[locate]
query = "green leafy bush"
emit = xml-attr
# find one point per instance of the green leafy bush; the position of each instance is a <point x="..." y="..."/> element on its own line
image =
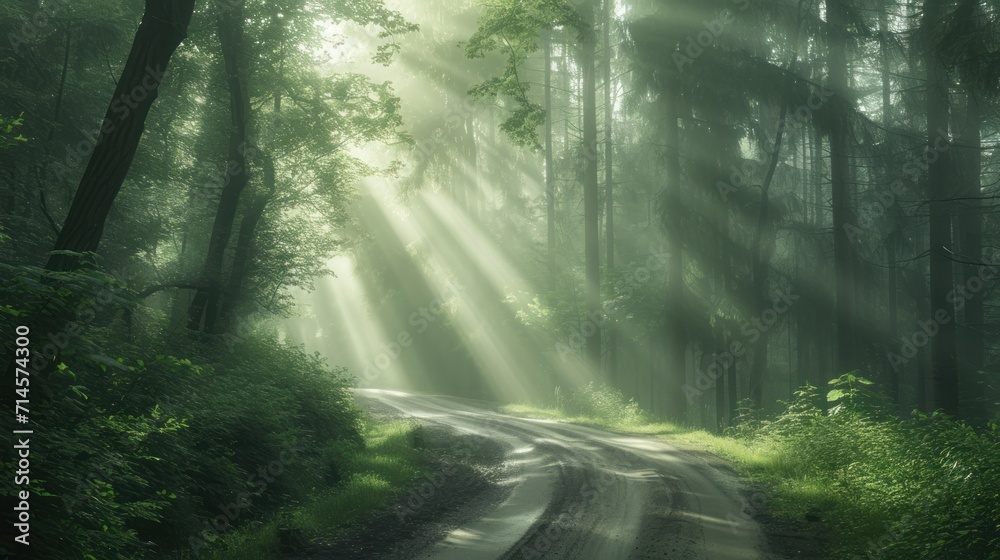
<point x="920" y="487"/>
<point x="605" y="403"/>
<point x="146" y="453"/>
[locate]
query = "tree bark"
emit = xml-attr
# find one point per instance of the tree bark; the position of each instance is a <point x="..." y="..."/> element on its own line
<point x="609" y="198"/>
<point x="970" y="216"/>
<point x="550" y="173"/>
<point x="970" y="213"/>
<point x="944" y="371"/>
<point x="246" y="243"/>
<point x="843" y="251"/>
<point x="591" y="208"/>
<point x="676" y="335"/>
<point x="162" y="29"/>
<point x="204" y="310"/>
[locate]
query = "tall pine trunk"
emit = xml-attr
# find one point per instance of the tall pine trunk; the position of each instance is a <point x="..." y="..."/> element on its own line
<point x="970" y="209"/>
<point x="676" y="334"/>
<point x="550" y="172"/>
<point x="609" y="195"/>
<point x="944" y="370"/>
<point x="892" y="383"/>
<point x="970" y="216"/>
<point x="591" y="207"/>
<point x="840" y="184"/>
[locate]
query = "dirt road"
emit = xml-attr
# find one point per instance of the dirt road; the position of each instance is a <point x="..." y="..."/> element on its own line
<point x="580" y="493"/>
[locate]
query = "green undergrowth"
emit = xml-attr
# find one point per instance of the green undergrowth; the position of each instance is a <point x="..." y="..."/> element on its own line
<point x="389" y="460"/>
<point x="925" y="486"/>
<point x="164" y="445"/>
<point x="598" y="407"/>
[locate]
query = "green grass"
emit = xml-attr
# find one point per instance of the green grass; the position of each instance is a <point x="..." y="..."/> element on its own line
<point x="758" y="458"/>
<point x="388" y="462"/>
<point x="629" y="425"/>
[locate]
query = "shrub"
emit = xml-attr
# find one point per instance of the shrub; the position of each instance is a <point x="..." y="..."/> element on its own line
<point x="920" y="487"/>
<point x="605" y="403"/>
<point x="143" y="450"/>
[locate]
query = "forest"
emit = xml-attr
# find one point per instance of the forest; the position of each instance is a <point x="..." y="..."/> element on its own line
<point x="592" y="279"/>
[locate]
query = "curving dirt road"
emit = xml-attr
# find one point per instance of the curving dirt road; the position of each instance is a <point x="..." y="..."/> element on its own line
<point x="580" y="493"/>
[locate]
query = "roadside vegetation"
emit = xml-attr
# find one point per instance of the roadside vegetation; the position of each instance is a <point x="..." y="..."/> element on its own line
<point x="375" y="472"/>
<point x="154" y="446"/>
<point x="922" y="487"/>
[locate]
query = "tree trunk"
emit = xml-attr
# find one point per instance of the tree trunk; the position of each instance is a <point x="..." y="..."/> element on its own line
<point x="164" y="25"/>
<point x="970" y="216"/>
<point x="843" y="252"/>
<point x="676" y="342"/>
<point x="591" y="208"/>
<point x="550" y="172"/>
<point x="892" y="382"/>
<point x="609" y="198"/>
<point x="204" y="310"/>
<point x="246" y="242"/>
<point x="944" y="371"/>
<point x="970" y="210"/>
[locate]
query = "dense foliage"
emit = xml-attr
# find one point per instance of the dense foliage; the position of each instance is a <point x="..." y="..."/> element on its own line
<point x="145" y="442"/>
<point x="925" y="486"/>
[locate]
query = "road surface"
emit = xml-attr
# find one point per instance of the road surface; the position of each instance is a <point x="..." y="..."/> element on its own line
<point x="581" y="493"/>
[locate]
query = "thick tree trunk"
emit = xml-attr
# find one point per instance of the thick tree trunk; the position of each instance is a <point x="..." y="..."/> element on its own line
<point x="204" y="310"/>
<point x="591" y="208"/>
<point x="944" y="370"/>
<point x="164" y="25"/>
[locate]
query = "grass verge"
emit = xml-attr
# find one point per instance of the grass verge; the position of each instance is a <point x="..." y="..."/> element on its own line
<point x="388" y="461"/>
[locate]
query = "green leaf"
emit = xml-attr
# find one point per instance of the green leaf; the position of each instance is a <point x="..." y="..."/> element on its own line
<point x="835" y="395"/>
